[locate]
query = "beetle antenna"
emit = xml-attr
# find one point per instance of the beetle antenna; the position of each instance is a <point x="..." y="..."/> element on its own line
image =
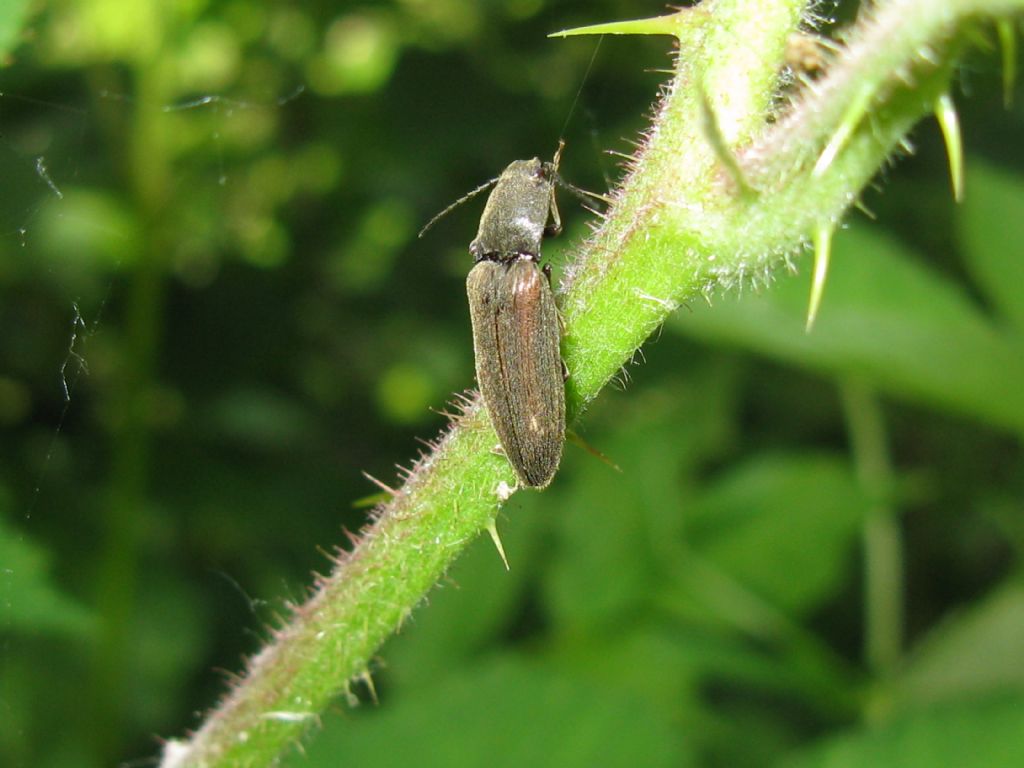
<point x="581" y="193"/>
<point x="464" y="199"/>
<point x="586" y="76"/>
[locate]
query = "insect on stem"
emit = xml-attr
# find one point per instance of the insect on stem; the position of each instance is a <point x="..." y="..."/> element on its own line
<point x="516" y="327"/>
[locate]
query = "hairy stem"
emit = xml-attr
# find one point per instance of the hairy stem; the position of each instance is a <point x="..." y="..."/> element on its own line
<point x="728" y="185"/>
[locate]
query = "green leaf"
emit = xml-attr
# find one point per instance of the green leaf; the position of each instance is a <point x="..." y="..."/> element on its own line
<point x="672" y="663"/>
<point x="12" y="16"/>
<point x="782" y="525"/>
<point x="979" y="651"/>
<point x="29" y="601"/>
<point x="505" y="712"/>
<point x="972" y="735"/>
<point x="991" y="231"/>
<point x="616" y="533"/>
<point x="887" y="319"/>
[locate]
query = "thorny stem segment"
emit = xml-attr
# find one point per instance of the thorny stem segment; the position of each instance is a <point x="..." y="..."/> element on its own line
<point x="680" y="227"/>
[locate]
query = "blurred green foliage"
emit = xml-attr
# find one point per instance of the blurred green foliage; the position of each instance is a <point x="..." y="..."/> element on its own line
<point x="207" y="241"/>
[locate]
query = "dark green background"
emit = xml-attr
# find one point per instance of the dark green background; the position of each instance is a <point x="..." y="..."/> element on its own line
<point x="260" y="325"/>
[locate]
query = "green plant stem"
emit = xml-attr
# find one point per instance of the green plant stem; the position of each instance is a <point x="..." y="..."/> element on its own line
<point x="125" y="510"/>
<point x="680" y="228"/>
<point x="883" y="542"/>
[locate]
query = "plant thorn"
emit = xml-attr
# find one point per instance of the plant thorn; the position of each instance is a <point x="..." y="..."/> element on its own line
<point x="716" y="139"/>
<point x="492" y="529"/>
<point x="945" y="113"/>
<point x="851" y="119"/>
<point x="670" y="24"/>
<point x="822" y="254"/>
